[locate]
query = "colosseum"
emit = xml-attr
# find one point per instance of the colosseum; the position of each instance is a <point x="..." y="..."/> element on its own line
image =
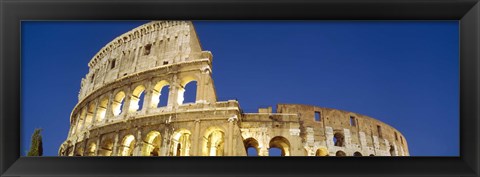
<point x="121" y="111"/>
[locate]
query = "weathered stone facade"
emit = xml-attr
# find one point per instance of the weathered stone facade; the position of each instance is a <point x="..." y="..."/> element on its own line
<point x="119" y="111"/>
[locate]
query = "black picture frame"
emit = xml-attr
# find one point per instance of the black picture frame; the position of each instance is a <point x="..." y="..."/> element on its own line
<point x="13" y="12"/>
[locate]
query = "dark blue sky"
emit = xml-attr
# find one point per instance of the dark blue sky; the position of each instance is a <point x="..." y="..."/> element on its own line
<point x="403" y="73"/>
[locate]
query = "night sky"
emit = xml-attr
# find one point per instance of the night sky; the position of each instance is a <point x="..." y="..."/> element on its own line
<point x="404" y="73"/>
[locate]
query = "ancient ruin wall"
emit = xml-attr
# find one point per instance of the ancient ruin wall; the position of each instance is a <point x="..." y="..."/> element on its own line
<point x="119" y="112"/>
<point x="111" y="118"/>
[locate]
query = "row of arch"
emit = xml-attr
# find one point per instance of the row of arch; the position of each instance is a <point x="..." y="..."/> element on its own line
<point x="179" y="144"/>
<point x="114" y="106"/>
<point x="280" y="146"/>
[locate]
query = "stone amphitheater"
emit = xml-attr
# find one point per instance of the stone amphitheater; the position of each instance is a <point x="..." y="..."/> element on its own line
<point x="121" y="111"/>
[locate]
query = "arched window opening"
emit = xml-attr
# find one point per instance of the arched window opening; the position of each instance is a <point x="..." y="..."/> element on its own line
<point x="371" y="155"/>
<point x="251" y="146"/>
<point x="89" y="116"/>
<point x="106" y="148"/>
<point x="340" y="153"/>
<point x="216" y="141"/>
<point x="73" y="126"/>
<point x="152" y="144"/>
<point x="392" y="150"/>
<point x="127" y="146"/>
<point x="321" y="152"/>
<point x="117" y="103"/>
<point x="280" y="143"/>
<point x="79" y="152"/>
<point x="102" y="109"/>
<point x="91" y="149"/>
<point x="180" y="144"/>
<point x="339" y="139"/>
<point x="274" y="151"/>
<point x="190" y="92"/>
<point x="136" y="100"/>
<point x="160" y="94"/>
<point x="251" y="151"/>
<point x="188" y="84"/>
<point x="213" y="142"/>
<point x="81" y="120"/>
<point x="357" y="154"/>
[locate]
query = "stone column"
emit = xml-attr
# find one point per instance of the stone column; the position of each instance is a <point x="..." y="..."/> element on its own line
<point x="126" y="103"/>
<point x="115" y="146"/>
<point x="186" y="144"/>
<point x="196" y="137"/>
<point x="201" y="87"/>
<point x="94" y="113"/>
<point x="98" y="146"/>
<point x="109" y="111"/>
<point x="138" y="144"/>
<point x="82" y="118"/>
<point x="147" y="97"/>
<point x="85" y="146"/>
<point x="173" y="94"/>
<point x="165" y="143"/>
<point x="231" y="121"/>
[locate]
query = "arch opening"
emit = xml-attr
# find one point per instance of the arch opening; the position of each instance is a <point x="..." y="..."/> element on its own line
<point x="136" y="100"/>
<point x="339" y="139"/>
<point x="79" y="152"/>
<point x="321" y="152"/>
<point x="214" y="142"/>
<point x="101" y="110"/>
<point x="251" y="146"/>
<point x="281" y="143"/>
<point x="188" y="84"/>
<point x="180" y="143"/>
<point x="152" y="144"/>
<point x="160" y="94"/>
<point x="81" y="119"/>
<point x="89" y="114"/>
<point x="91" y="149"/>
<point x="357" y="154"/>
<point x="106" y="148"/>
<point x="340" y="153"/>
<point x="117" y="103"/>
<point x="127" y="146"/>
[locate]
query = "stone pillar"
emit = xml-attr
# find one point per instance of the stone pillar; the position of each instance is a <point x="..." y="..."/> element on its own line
<point x="196" y="137"/>
<point x="147" y="97"/>
<point x="85" y="146"/>
<point x="109" y="110"/>
<point x="173" y="94"/>
<point x="263" y="151"/>
<point x="165" y="143"/>
<point x="94" y="113"/>
<point x="348" y="138"/>
<point x="126" y="103"/>
<point x="201" y="87"/>
<point x="98" y="146"/>
<point x="115" y="146"/>
<point x="137" y="150"/>
<point x="231" y="121"/>
<point x="186" y="144"/>
<point x="82" y="118"/>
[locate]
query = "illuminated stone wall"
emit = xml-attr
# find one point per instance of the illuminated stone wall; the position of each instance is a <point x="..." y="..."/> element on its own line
<point x="121" y="111"/>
